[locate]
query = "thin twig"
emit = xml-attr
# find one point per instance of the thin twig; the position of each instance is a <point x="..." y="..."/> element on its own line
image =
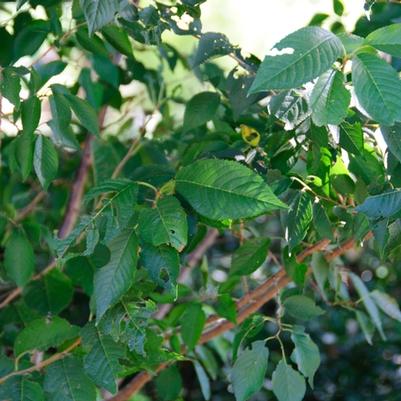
<point x="43" y="364"/>
<point x="30" y="207"/>
<point x="247" y="305"/>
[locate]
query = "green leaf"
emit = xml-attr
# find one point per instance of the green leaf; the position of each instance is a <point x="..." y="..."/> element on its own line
<point x="169" y="384"/>
<point x="118" y="38"/>
<point x="249" y="370"/>
<point x="305" y="54"/>
<point x="42" y="334"/>
<point x="367" y="327"/>
<point x="329" y="99"/>
<point x="387" y="304"/>
<point x="101" y="362"/>
<point x="192" y="322"/>
<point x="227" y="307"/>
<point x="288" y="384"/>
<point x="200" y="109"/>
<point x="66" y="380"/>
<point x="162" y="265"/>
<point x="306" y="355"/>
<point x="338" y="7"/>
<point x="21" y="389"/>
<point x="45" y="160"/>
<point x="299" y="218"/>
<point x="166" y="223"/>
<point x="302" y="307"/>
<point x="368" y="302"/>
<point x="392" y="136"/>
<point x="351" y="137"/>
<point x="320" y="270"/>
<point x="30" y="114"/>
<point x="249" y="256"/>
<point x="377" y="87"/>
<point x="221" y="189"/>
<point x="321" y="221"/>
<point x="53" y="293"/>
<point x="85" y="113"/>
<point x="382" y="205"/>
<point x="99" y="13"/>
<point x="112" y="281"/>
<point x="19" y="259"/>
<point x="203" y="380"/>
<point x="211" y="44"/>
<point x="10" y="86"/>
<point x="290" y="107"/>
<point x="24" y="153"/>
<point x="386" y="39"/>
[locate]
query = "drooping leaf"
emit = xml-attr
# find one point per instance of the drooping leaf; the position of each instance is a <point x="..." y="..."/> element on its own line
<point x="387" y="39"/>
<point x="200" y="109"/>
<point x="249" y="256"/>
<point x="166" y="223"/>
<point x="19" y="259"/>
<point x="321" y="221"/>
<point x="99" y="13"/>
<point x="221" y="189"/>
<point x="227" y="307"/>
<point x="113" y="280"/>
<point x="288" y="384"/>
<point x="299" y="218"/>
<point x="368" y="302"/>
<point x="387" y="304"/>
<point x="101" y="362"/>
<point x="302" y="56"/>
<point x="306" y="355"/>
<point x="320" y="270"/>
<point x="192" y="322"/>
<point x="382" y="205"/>
<point x="44" y="333"/>
<point x="66" y="380"/>
<point x="24" y="153"/>
<point x="45" y="160"/>
<point x="302" y="307"/>
<point x="30" y="114"/>
<point x="85" y="113"/>
<point x="351" y="137"/>
<point x="203" y="380"/>
<point x="329" y="99"/>
<point x="377" y="87"/>
<point x="366" y="325"/>
<point x="248" y="372"/>
<point x="169" y="384"/>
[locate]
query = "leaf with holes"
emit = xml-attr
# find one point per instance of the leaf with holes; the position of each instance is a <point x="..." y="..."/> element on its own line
<point x="166" y="223"/>
<point x="302" y="56"/>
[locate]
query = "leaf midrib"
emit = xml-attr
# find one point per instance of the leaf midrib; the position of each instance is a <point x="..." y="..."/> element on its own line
<point x="287" y="67"/>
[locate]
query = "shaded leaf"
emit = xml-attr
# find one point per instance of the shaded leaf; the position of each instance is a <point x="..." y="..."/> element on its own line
<point x="302" y="307"/>
<point x="200" y="109"/>
<point x="288" y="384"/>
<point x="249" y="371"/>
<point x="45" y="160"/>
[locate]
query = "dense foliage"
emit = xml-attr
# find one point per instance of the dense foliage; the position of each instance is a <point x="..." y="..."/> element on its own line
<point x="153" y="202"/>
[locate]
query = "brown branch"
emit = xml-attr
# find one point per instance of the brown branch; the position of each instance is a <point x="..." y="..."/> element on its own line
<point x="73" y="207"/>
<point x="43" y="364"/>
<point x="247" y="305"/>
<point x="30" y="207"/>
